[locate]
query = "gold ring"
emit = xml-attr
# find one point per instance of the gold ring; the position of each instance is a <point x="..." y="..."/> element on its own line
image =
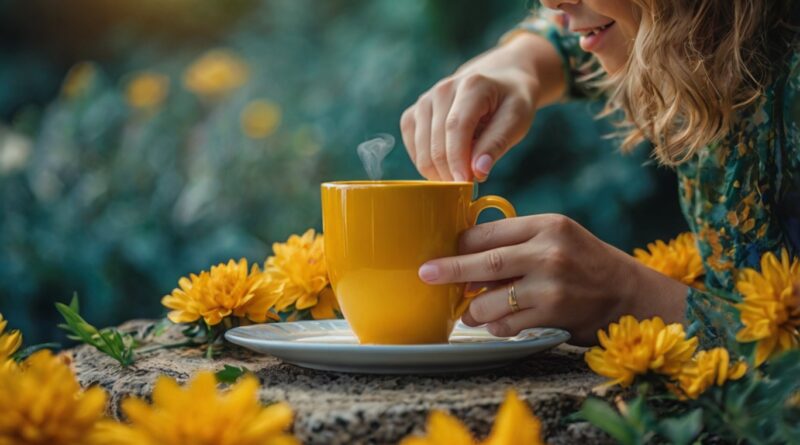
<point x="512" y="298"/>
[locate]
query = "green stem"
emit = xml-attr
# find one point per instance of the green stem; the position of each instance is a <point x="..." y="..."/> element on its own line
<point x="210" y="351"/>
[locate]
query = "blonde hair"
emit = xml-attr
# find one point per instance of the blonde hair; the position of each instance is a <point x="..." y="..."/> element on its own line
<point x="693" y="65"/>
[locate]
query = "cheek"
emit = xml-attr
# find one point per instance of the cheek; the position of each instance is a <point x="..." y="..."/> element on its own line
<point x="616" y="54"/>
<point x="624" y="12"/>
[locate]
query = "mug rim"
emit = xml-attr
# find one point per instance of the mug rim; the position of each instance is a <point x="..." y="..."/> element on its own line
<point x="402" y="183"/>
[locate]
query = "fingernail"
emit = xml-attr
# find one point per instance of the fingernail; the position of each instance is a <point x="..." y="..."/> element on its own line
<point x="458" y="177"/>
<point x="428" y="272"/>
<point x="483" y="164"/>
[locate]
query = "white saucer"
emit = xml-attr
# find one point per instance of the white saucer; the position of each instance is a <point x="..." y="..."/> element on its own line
<point x="330" y="345"/>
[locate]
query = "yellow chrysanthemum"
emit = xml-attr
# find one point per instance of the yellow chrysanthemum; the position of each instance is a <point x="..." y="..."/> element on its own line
<point x="215" y="73"/>
<point x="770" y="311"/>
<point x="515" y="425"/>
<point x="9" y="342"/>
<point x="632" y="348"/>
<point x="326" y="306"/>
<point x="260" y="118"/>
<point x="197" y="414"/>
<point x="679" y="259"/>
<point x="78" y="80"/>
<point x="299" y="265"/>
<point x="706" y="369"/>
<point x="442" y="429"/>
<point x="42" y="404"/>
<point x="228" y="289"/>
<point x="147" y="90"/>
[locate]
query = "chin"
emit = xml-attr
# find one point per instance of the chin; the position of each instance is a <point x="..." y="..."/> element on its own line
<point x="611" y="65"/>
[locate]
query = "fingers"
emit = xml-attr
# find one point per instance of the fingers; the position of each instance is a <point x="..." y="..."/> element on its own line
<point x="493" y="304"/>
<point x="510" y="231"/>
<point x="440" y="130"/>
<point x="469" y="106"/>
<point x="504" y="232"/>
<point x="443" y="100"/>
<point x="408" y="129"/>
<point x="511" y="325"/>
<point x="423" y="112"/>
<point x="507" y="127"/>
<point x="493" y="309"/>
<point x="492" y="265"/>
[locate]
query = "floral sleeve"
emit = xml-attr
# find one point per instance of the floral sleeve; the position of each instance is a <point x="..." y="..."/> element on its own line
<point x="552" y="26"/>
<point x="791" y="118"/>
<point x="789" y="172"/>
<point x="711" y="317"/>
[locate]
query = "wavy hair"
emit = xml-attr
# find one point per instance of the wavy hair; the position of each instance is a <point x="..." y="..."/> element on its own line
<point x="693" y="65"/>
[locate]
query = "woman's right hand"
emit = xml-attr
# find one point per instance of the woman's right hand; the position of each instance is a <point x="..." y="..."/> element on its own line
<point x="458" y="129"/>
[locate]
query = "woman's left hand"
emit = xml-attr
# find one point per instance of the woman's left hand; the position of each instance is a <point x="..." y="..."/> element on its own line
<point x="563" y="276"/>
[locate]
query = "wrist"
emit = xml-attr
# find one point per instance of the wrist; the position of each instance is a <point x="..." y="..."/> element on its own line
<point x="651" y="294"/>
<point x="543" y="64"/>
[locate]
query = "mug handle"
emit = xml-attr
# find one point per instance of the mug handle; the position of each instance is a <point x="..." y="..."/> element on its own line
<point x="474" y="211"/>
<point x="490" y="202"/>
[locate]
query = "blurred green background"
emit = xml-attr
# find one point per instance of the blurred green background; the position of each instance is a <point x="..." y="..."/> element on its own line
<point x="130" y="155"/>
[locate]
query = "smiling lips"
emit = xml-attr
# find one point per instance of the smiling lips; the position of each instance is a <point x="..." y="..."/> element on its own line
<point x="592" y="38"/>
<point x="590" y="31"/>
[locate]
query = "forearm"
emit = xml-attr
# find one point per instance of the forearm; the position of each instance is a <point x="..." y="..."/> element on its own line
<point x="655" y="294"/>
<point x="710" y="316"/>
<point x="534" y="57"/>
<point x="538" y="57"/>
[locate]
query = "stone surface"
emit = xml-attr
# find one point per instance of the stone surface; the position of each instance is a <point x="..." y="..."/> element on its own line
<point x="335" y="408"/>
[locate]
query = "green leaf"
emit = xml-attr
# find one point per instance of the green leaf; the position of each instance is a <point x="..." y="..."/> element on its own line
<point x="109" y="341"/>
<point x="603" y="416"/>
<point x="75" y="304"/>
<point x="230" y="374"/>
<point x="682" y="430"/>
<point x="785" y="366"/>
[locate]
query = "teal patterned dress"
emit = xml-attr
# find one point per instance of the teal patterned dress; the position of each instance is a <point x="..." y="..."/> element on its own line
<point x="740" y="195"/>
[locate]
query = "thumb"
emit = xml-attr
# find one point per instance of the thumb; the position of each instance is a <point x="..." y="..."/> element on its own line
<point x="508" y="126"/>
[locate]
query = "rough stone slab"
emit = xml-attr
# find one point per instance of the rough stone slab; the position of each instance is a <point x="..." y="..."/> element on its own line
<point x="336" y="408"/>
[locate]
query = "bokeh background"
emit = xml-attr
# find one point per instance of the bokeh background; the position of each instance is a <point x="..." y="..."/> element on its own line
<point x="141" y="140"/>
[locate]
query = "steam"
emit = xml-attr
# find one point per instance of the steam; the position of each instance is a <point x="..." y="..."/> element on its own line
<point x="373" y="152"/>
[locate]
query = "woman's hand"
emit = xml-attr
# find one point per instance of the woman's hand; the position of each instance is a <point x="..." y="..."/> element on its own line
<point x="458" y="129"/>
<point x="563" y="276"/>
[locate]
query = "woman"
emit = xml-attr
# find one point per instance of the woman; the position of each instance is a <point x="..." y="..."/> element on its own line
<point x="713" y="85"/>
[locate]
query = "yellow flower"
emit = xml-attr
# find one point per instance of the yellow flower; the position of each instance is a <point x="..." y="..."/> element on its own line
<point x="9" y="342"/>
<point x="326" y="306"/>
<point x="632" y="348"/>
<point x="679" y="259"/>
<point x="443" y="429"/>
<point x="299" y="265"/>
<point x="706" y="369"/>
<point x="78" y="80"/>
<point x="228" y="289"/>
<point x="147" y="90"/>
<point x="770" y="311"/>
<point x="515" y="425"/>
<point x="198" y="415"/>
<point x="260" y="118"/>
<point x="42" y="404"/>
<point x="216" y="72"/>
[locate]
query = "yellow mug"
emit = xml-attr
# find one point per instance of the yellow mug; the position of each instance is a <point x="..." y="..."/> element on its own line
<point x="378" y="234"/>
